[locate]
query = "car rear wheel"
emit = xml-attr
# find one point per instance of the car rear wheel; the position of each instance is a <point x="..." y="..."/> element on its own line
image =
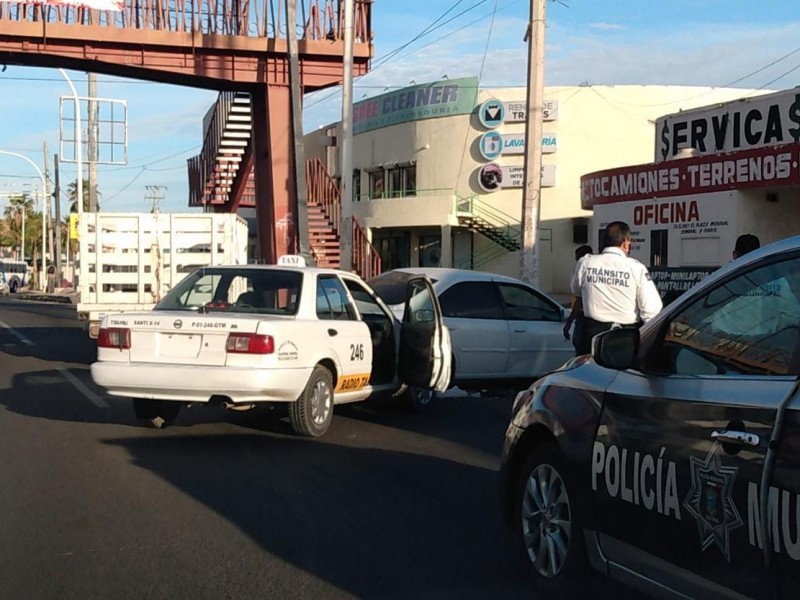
<point x="160" y="413"/>
<point x="312" y="412"/>
<point x="548" y="525"/>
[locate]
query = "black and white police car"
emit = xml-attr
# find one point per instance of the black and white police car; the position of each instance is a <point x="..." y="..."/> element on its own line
<point x="669" y="460"/>
<point x="240" y="335"/>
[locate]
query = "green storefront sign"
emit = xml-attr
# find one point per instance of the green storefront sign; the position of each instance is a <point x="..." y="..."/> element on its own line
<point x="427" y="101"/>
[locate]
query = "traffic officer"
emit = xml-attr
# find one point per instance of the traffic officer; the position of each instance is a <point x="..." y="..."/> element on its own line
<point x="615" y="289"/>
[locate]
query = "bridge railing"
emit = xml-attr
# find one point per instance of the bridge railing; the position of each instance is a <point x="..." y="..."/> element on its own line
<point x="316" y="19"/>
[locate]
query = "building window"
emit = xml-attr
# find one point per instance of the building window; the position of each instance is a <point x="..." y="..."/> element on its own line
<point x="377" y="184"/>
<point x="356" y="184"/>
<point x="658" y="248"/>
<point x="395" y="178"/>
<point x="410" y="180"/>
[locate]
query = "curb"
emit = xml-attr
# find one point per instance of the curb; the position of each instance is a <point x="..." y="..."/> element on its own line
<point x="52" y="298"/>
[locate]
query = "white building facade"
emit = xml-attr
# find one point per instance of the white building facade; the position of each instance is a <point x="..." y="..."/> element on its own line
<point x="438" y="168"/>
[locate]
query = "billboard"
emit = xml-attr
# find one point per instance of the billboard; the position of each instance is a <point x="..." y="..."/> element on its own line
<point x="743" y="124"/>
<point x="427" y="101"/>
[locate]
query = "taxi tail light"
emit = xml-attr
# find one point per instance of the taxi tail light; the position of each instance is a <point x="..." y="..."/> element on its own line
<point x="250" y="343"/>
<point x="114" y="337"/>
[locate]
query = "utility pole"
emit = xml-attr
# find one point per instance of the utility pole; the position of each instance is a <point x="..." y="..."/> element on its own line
<point x="57" y="202"/>
<point x="154" y="196"/>
<point x="346" y="146"/>
<point x="531" y="192"/>
<point x="47" y="206"/>
<point x="93" y="131"/>
<point x="300" y="203"/>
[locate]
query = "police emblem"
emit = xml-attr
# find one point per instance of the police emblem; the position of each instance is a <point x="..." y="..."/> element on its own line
<point x="710" y="503"/>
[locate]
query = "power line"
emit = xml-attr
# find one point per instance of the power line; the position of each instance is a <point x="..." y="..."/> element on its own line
<point x="386" y="58"/>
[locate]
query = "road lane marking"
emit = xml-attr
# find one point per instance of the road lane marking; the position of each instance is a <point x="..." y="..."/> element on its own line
<point x="16" y="333"/>
<point x="81" y="387"/>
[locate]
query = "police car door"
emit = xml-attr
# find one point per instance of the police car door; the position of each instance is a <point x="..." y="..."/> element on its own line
<point x="682" y="444"/>
<point x="425" y="352"/>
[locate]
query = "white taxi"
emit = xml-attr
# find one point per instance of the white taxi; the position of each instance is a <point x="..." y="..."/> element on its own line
<point x="240" y="335"/>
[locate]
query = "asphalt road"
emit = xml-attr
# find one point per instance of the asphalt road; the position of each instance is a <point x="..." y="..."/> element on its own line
<point x="233" y="505"/>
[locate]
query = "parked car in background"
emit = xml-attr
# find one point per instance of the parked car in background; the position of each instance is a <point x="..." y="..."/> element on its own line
<point x="504" y="332"/>
<point x="670" y="458"/>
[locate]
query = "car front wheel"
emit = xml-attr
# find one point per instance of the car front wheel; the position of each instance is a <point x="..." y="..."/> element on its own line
<point x="548" y="526"/>
<point x="312" y="412"/>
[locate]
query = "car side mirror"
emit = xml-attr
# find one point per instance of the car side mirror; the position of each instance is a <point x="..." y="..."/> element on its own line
<point x="617" y="348"/>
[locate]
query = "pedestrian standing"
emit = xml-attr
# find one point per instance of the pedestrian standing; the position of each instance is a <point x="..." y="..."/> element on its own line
<point x="615" y="290"/>
<point x="576" y="308"/>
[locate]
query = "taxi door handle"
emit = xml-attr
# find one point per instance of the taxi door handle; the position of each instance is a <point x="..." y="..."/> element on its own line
<point x="332" y="332"/>
<point x="740" y="438"/>
<point x="520" y="330"/>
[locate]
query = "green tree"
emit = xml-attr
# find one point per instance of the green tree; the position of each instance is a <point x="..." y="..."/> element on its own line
<point x="72" y="194"/>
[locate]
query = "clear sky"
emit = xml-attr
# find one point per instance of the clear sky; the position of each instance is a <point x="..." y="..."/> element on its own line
<point x="702" y="42"/>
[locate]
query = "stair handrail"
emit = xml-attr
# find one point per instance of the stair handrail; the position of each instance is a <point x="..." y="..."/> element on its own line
<point x="322" y="189"/>
<point x="366" y="260"/>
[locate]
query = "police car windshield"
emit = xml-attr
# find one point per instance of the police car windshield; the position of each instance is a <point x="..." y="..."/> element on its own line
<point x="391" y="286"/>
<point x="245" y="290"/>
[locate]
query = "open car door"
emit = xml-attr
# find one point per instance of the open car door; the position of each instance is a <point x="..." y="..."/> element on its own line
<point x="426" y="355"/>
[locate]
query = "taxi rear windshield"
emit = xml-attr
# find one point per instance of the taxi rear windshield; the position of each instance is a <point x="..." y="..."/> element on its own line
<point x="259" y="291"/>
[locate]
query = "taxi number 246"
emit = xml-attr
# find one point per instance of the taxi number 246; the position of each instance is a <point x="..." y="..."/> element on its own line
<point x="356" y="351"/>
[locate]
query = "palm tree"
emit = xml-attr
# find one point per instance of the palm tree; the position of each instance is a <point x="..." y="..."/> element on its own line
<point x="72" y="194"/>
<point x="19" y="206"/>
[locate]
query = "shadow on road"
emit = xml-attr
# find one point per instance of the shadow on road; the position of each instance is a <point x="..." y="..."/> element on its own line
<point x="372" y="522"/>
<point x="55" y="344"/>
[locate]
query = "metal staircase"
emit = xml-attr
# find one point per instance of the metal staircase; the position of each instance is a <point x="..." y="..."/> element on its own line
<point x="221" y="177"/>
<point x="224" y="157"/>
<point x="490" y="222"/>
<point x="324" y="216"/>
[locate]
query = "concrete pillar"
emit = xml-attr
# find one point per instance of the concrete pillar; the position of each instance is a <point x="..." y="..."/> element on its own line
<point x="447" y="246"/>
<point x="273" y="171"/>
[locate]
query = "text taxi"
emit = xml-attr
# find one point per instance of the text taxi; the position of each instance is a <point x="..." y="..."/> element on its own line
<point x="239" y="335"/>
<point x="670" y="459"/>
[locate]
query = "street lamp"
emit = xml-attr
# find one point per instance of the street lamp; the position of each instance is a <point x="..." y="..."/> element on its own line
<point x="44" y="210"/>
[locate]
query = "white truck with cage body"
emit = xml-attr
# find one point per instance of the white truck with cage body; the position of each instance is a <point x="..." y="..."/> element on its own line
<point x="128" y="261"/>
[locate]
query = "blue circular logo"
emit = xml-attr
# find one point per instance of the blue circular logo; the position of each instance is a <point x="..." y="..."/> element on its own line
<point x="492" y="113"/>
<point x="491" y="145"/>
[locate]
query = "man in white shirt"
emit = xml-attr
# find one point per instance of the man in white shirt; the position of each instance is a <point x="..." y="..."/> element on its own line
<point x="615" y="289"/>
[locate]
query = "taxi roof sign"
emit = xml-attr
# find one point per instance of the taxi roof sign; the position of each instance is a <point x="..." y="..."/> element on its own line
<point x="292" y="260"/>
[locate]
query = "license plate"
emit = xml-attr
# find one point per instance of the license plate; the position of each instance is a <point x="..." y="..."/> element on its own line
<point x="179" y="345"/>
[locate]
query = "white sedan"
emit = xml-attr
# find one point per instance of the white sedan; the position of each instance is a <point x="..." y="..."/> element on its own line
<point x="503" y="330"/>
<point x="239" y="335"/>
